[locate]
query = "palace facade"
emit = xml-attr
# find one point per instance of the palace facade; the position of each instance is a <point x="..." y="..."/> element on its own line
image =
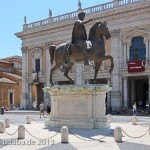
<point x="10" y="81"/>
<point x="129" y="24"/>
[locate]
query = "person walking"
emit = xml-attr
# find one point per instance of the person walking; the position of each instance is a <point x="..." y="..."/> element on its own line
<point x="42" y="109"/>
<point x="48" y="109"/>
<point x="134" y="108"/>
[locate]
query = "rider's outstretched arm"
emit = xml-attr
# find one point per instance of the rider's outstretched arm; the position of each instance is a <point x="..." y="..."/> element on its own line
<point x="87" y="21"/>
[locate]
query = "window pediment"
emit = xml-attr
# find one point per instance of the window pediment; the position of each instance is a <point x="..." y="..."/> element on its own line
<point x="37" y="52"/>
<point x="136" y="32"/>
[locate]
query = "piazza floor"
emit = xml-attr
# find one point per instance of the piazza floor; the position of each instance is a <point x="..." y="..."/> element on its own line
<point x="38" y="137"/>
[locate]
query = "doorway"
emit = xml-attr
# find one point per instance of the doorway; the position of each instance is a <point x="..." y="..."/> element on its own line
<point x="40" y="93"/>
<point x="138" y="91"/>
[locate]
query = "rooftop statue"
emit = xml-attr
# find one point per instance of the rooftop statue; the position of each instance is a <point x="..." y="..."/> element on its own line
<point x="76" y="50"/>
<point x="50" y="13"/>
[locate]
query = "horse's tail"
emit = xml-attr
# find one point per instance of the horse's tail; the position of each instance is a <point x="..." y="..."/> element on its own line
<point x="51" y="52"/>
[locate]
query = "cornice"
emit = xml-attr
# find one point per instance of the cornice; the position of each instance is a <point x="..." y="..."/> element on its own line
<point x="108" y="15"/>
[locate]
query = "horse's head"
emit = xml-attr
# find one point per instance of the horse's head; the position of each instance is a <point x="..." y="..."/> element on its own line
<point x="102" y="29"/>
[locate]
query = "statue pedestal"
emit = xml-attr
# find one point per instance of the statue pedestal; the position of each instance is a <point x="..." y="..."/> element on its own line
<point x="78" y="106"/>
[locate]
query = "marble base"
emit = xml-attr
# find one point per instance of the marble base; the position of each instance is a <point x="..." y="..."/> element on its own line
<point x="78" y="106"/>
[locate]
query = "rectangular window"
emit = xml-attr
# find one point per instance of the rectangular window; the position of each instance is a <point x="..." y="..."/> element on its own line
<point x="37" y="65"/>
<point x="11" y="98"/>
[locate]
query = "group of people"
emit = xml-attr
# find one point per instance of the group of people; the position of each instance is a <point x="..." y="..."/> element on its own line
<point x="135" y="106"/>
<point x="41" y="107"/>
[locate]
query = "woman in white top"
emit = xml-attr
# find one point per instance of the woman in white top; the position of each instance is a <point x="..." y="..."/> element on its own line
<point x="42" y="109"/>
<point x="134" y="108"/>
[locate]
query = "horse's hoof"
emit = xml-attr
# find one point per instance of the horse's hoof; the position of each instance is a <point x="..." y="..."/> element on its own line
<point x="72" y="82"/>
<point x="52" y="83"/>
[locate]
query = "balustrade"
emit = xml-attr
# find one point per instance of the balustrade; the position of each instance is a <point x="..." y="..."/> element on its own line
<point x="74" y="14"/>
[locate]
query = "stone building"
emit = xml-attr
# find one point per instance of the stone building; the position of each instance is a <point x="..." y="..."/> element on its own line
<point x="10" y="81"/>
<point x="129" y="24"/>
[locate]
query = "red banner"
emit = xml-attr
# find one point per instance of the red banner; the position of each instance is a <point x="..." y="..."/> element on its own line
<point x="136" y="66"/>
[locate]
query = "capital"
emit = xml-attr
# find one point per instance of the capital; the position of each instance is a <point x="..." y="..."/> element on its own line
<point x="48" y="44"/>
<point x="146" y="39"/>
<point x="124" y="41"/>
<point x="115" y="32"/>
<point x="24" y="49"/>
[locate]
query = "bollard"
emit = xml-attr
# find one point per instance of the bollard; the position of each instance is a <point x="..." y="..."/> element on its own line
<point x="7" y="122"/>
<point x="21" y="132"/>
<point x="134" y="120"/>
<point x="118" y="134"/>
<point x="64" y="134"/>
<point x="28" y="119"/>
<point x="2" y="126"/>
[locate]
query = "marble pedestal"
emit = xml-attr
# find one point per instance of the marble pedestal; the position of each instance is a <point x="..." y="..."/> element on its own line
<point x="78" y="106"/>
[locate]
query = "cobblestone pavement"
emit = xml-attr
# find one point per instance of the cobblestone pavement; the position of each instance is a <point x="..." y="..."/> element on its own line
<point x="38" y="137"/>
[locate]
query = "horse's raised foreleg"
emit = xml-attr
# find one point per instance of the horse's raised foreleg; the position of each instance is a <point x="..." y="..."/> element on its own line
<point x="52" y="71"/>
<point x="97" y="66"/>
<point x="112" y="62"/>
<point x="68" y="68"/>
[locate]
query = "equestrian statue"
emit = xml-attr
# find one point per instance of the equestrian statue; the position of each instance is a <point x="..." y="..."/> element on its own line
<point x="81" y="48"/>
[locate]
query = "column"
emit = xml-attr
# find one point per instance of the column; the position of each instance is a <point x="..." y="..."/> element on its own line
<point x="24" y="96"/>
<point x="115" y="76"/>
<point x="132" y="90"/>
<point x="79" y="73"/>
<point x="147" y="51"/>
<point x="30" y="95"/>
<point x="124" y="53"/>
<point x="125" y="92"/>
<point x="128" y="49"/>
<point x="48" y="63"/>
<point x="36" y="95"/>
<point x="48" y="67"/>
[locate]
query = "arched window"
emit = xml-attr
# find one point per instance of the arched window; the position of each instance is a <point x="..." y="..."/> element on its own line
<point x="137" y="49"/>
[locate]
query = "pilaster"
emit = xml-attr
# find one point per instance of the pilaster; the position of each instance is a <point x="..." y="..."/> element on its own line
<point x="146" y="42"/>
<point x="128" y="49"/>
<point x="124" y="53"/>
<point x="48" y="62"/>
<point x="115" y="82"/>
<point x="125" y="92"/>
<point x="24" y="97"/>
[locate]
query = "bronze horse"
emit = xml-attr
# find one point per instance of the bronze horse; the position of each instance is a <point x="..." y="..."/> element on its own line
<point x="96" y="52"/>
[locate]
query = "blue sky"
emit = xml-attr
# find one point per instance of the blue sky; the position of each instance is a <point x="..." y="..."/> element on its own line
<point x="12" y="14"/>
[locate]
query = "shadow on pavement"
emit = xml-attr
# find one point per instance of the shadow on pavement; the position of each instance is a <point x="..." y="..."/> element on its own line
<point x="59" y="146"/>
<point x="132" y="146"/>
<point x="88" y="134"/>
<point x="5" y="142"/>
